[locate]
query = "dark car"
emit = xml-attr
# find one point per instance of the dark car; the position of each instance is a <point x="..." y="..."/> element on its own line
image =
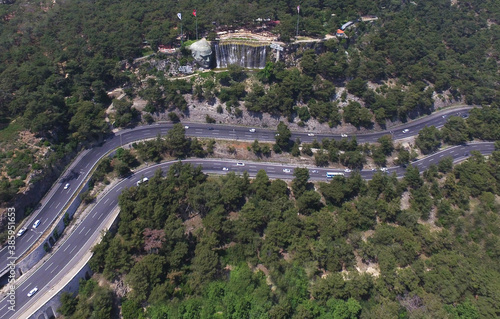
<point x="210" y="128"/>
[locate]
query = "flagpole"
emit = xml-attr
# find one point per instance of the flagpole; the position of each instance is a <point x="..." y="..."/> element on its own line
<point x="179" y="15"/>
<point x="298" y="15"/>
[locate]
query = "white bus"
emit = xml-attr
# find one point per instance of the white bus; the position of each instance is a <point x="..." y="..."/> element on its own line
<point x="332" y="174"/>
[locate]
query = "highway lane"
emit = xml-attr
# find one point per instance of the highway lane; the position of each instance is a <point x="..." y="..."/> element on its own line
<point x="59" y="197"/>
<point x="78" y="242"/>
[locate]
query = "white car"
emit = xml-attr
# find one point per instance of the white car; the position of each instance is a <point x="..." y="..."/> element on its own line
<point x="286" y="170"/>
<point x="21" y="231"/>
<point x="186" y="127"/>
<point x="343" y="135"/>
<point x="36" y="224"/>
<point x="144" y="180"/>
<point x="314" y="171"/>
<point x="252" y="130"/>
<point x="240" y="164"/>
<point x="383" y="169"/>
<point x="406" y="130"/>
<point x="66" y="186"/>
<point x="277" y="134"/>
<point x="225" y="169"/>
<point x="347" y="170"/>
<point x="32" y="291"/>
<point x="310" y="134"/>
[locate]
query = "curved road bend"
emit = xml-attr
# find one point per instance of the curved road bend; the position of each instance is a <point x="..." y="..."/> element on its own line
<point x="79" y="241"/>
<point x="60" y="197"/>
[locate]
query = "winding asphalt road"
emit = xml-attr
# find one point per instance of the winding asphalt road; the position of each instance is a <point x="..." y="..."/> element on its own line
<point x="58" y="198"/>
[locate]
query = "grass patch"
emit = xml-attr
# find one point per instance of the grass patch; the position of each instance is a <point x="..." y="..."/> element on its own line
<point x="188" y="42"/>
<point x="10" y="132"/>
<point x="147" y="51"/>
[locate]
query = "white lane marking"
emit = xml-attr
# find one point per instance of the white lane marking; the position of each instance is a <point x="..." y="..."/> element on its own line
<point x="49" y="265"/>
<point x="72" y="249"/>
<point x="87" y="165"/>
<point x="30" y="237"/>
<point x="2" y="308"/>
<point x="94" y="214"/>
<point x="214" y="133"/>
<point x="441" y="155"/>
<point x="99" y="216"/>
<point x="67" y="246"/>
<point x="26" y="287"/>
<point x="81" y="230"/>
<point x="58" y="205"/>
<point x="51" y="205"/>
<point x="106" y="200"/>
<point x="87" y="232"/>
<point x="54" y="268"/>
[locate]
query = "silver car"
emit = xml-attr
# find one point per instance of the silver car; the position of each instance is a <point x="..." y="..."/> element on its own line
<point x="32" y="291"/>
<point x="21" y="231"/>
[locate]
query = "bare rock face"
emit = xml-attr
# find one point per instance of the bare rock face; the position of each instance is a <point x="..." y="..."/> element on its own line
<point x="202" y="53"/>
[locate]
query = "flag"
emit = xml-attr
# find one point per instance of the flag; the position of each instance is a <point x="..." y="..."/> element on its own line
<point x="179" y="16"/>
<point x="194" y="12"/>
<point x="298" y="9"/>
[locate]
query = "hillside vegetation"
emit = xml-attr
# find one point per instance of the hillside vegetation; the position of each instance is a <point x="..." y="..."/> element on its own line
<point x="192" y="246"/>
<point x="60" y="58"/>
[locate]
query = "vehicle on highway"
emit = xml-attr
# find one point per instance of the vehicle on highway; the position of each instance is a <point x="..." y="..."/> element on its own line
<point x="21" y="231"/>
<point x="277" y="134"/>
<point x="406" y="130"/>
<point x="32" y="291"/>
<point x="144" y="180"/>
<point x="343" y="135"/>
<point x="383" y="169"/>
<point x="314" y="171"/>
<point x="210" y="128"/>
<point x="66" y="186"/>
<point x="36" y="224"/>
<point x="333" y="174"/>
<point x="252" y="130"/>
<point x="310" y="134"/>
<point x="240" y="164"/>
<point x="347" y="170"/>
<point x="286" y="170"/>
<point x="225" y="169"/>
<point x="186" y="127"/>
<point x="465" y="116"/>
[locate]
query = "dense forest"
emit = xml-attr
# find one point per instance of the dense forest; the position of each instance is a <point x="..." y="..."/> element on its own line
<point x="59" y="60"/>
<point x="192" y="246"/>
